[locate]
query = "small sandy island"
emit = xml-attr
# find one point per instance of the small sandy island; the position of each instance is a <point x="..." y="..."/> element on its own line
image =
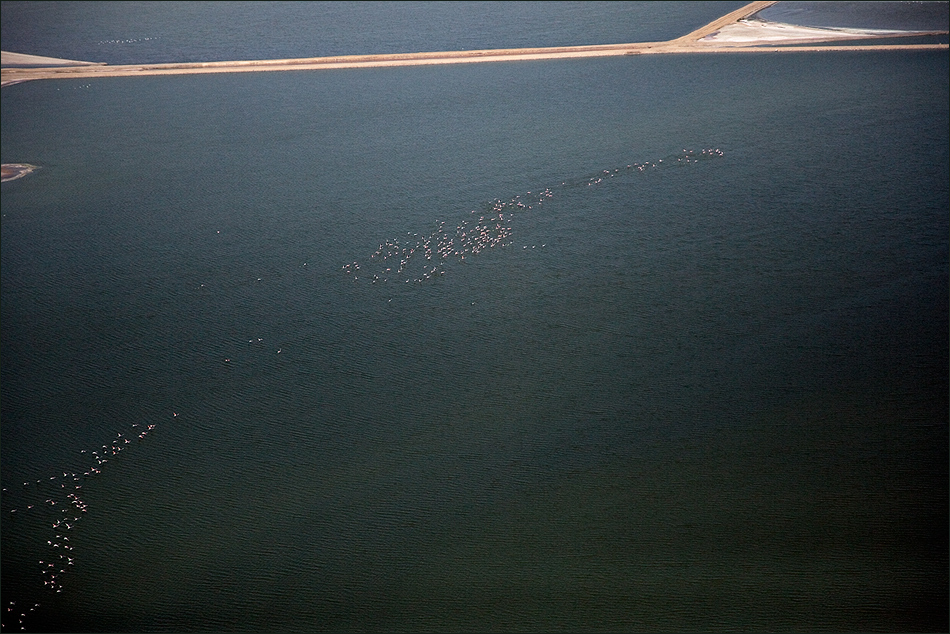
<point x="13" y="171"/>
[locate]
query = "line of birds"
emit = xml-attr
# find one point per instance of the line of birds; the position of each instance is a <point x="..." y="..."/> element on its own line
<point x="418" y="258"/>
<point x="128" y="41"/>
<point x="64" y="508"/>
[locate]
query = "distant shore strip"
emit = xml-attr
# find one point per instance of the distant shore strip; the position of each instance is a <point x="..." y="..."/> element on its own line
<point x="702" y="40"/>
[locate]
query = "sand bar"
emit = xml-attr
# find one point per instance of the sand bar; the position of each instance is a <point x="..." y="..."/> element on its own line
<point x="755" y="32"/>
<point x="715" y="37"/>
<point x="22" y="59"/>
<point x="13" y="171"/>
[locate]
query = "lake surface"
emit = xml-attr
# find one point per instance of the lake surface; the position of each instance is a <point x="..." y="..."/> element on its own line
<point x="639" y="343"/>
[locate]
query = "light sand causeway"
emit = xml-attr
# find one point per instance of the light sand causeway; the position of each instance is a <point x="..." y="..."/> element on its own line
<point x="732" y="33"/>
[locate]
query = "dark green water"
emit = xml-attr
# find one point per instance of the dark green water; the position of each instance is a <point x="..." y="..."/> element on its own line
<point x="705" y="395"/>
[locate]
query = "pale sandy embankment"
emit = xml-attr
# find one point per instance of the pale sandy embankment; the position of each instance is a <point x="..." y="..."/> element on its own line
<point x="731" y="33"/>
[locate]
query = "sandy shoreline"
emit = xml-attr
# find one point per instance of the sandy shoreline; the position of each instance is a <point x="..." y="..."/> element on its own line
<point x="13" y="171"/>
<point x="732" y="33"/>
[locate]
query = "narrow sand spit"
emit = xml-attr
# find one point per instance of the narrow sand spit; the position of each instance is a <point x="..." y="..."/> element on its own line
<point x="13" y="171"/>
<point x="732" y="33"/>
<point x="22" y="59"/>
<point x="754" y="31"/>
